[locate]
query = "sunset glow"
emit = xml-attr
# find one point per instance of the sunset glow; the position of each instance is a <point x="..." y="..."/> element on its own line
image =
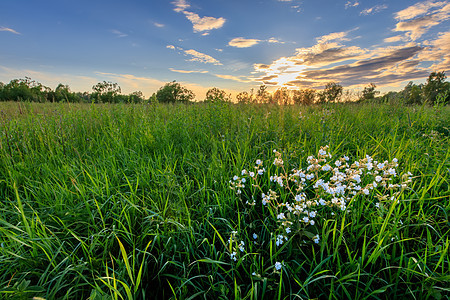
<point x="232" y="45"/>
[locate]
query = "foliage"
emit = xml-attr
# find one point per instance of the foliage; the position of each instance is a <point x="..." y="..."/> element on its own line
<point x="304" y="96"/>
<point x="331" y="93"/>
<point x="217" y="95"/>
<point x="173" y="92"/>
<point x="434" y="86"/>
<point x="114" y="201"/>
<point x="369" y="92"/>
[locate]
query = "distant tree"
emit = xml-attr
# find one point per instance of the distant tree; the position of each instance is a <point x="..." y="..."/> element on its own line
<point x="106" y="91"/>
<point x="434" y="86"/>
<point x="262" y="95"/>
<point x="332" y="92"/>
<point x="281" y="96"/>
<point x="25" y="89"/>
<point x="173" y="92"/>
<point x="217" y="95"/>
<point x="369" y="92"/>
<point x="412" y="93"/>
<point x="244" y="97"/>
<point x="136" y="97"/>
<point x="304" y="96"/>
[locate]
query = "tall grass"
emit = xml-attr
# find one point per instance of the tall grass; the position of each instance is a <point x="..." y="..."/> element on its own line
<point x="134" y="202"/>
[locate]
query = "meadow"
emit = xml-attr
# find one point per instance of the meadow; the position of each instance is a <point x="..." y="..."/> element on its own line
<point x="224" y="201"/>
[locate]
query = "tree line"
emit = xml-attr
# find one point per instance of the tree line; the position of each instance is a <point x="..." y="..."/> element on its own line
<point x="434" y="90"/>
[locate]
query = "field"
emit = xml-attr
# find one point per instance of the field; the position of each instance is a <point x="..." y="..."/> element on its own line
<point x="339" y="201"/>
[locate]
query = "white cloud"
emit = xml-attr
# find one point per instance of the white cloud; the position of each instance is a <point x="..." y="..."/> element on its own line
<point x="393" y="39"/>
<point x="187" y="71"/>
<point x="416" y="20"/>
<point x="273" y="40"/>
<point x="203" y="23"/>
<point x="350" y="4"/>
<point x="201" y="57"/>
<point x="241" y="42"/>
<point x="234" y="78"/>
<point x="8" y="30"/>
<point x="118" y="33"/>
<point x="170" y="47"/>
<point x="200" y="24"/>
<point x="339" y="36"/>
<point x="417" y="9"/>
<point x="180" y="5"/>
<point x="159" y="25"/>
<point x="373" y="10"/>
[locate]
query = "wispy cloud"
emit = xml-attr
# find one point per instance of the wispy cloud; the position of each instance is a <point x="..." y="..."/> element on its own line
<point x="330" y="60"/>
<point x="159" y="25"/>
<point x="187" y="71"/>
<point x="234" y="78"/>
<point x="418" y="9"/>
<point x="118" y="33"/>
<point x="334" y="36"/>
<point x="170" y="47"/>
<point x="206" y="24"/>
<point x="199" y="24"/>
<point x="373" y="10"/>
<point x="8" y="30"/>
<point x="417" y="19"/>
<point x="201" y="57"/>
<point x="241" y="42"/>
<point x="180" y="5"/>
<point x="351" y="4"/>
<point x="393" y="39"/>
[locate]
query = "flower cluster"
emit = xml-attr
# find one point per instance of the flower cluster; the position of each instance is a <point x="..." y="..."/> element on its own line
<point x="297" y="198"/>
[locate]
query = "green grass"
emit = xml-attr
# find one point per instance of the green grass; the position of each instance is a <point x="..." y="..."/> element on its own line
<point x="134" y="202"/>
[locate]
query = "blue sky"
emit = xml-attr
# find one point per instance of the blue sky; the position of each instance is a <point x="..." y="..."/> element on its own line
<point x="234" y="45"/>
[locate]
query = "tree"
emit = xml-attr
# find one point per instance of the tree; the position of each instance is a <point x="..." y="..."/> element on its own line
<point x="412" y="93"/>
<point x="332" y="92"/>
<point x="281" y="96"/>
<point x="434" y="86"/>
<point x="262" y="95"/>
<point x="369" y="92"/>
<point x="244" y="97"/>
<point x="217" y="95"/>
<point x="304" y="96"/>
<point x="106" y="91"/>
<point x="136" y="97"/>
<point x="173" y="92"/>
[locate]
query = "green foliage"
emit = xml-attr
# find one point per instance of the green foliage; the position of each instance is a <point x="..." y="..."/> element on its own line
<point x="369" y="92"/>
<point x="217" y="95"/>
<point x="304" y="96"/>
<point x="117" y="201"/>
<point x="434" y="86"/>
<point x="173" y="92"/>
<point x="331" y="93"/>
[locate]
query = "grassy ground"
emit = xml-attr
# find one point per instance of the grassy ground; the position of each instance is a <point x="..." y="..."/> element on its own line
<point x="134" y="201"/>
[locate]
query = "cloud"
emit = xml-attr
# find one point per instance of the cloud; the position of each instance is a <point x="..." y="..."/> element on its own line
<point x="340" y="36"/>
<point x="350" y="4"/>
<point x="170" y="47"/>
<point x="438" y="51"/>
<point x="394" y="39"/>
<point x="8" y="30"/>
<point x="201" y="57"/>
<point x="186" y="71"/>
<point x="204" y="24"/>
<point x="200" y="24"/>
<point x="118" y="33"/>
<point x="373" y="10"/>
<point x="241" y="42"/>
<point x="159" y="25"/>
<point x="235" y="78"/>
<point x="417" y="9"/>
<point x="416" y="20"/>
<point x="180" y="5"/>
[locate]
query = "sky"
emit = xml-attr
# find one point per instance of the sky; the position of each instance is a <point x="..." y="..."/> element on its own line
<point x="235" y="45"/>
